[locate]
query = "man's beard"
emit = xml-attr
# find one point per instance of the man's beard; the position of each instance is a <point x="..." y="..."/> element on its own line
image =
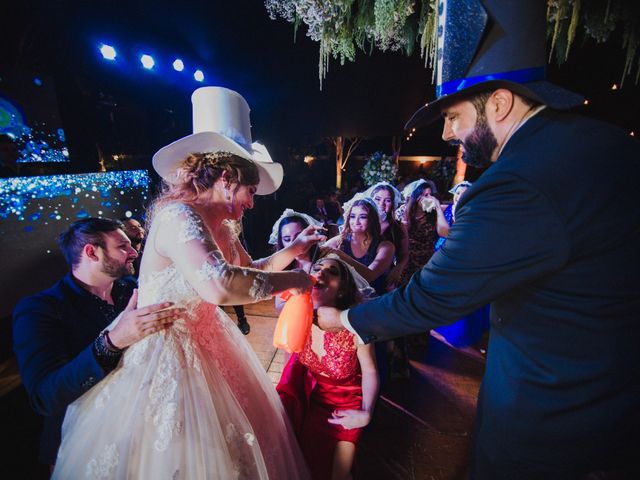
<point x="479" y="145"/>
<point x="111" y="267"/>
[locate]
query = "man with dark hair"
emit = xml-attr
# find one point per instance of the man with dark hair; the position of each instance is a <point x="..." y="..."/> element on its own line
<point x="135" y="231"/>
<point x="547" y="236"/>
<point x="60" y="335"/>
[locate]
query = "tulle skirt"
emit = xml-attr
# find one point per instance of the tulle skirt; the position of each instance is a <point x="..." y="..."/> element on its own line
<point x="191" y="402"/>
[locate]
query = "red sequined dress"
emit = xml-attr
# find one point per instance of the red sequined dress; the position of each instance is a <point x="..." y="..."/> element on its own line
<point x="313" y="386"/>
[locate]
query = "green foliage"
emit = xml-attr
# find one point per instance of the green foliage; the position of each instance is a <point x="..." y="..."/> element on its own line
<point x="342" y="26"/>
<point x="379" y="167"/>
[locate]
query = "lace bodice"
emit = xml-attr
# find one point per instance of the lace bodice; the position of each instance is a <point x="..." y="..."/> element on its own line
<point x="197" y="267"/>
<point x="339" y="360"/>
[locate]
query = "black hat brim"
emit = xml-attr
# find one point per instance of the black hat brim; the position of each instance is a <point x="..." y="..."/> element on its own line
<point x="541" y="91"/>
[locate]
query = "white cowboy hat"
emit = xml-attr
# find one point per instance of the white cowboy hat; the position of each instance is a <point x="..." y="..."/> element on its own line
<point x="220" y="124"/>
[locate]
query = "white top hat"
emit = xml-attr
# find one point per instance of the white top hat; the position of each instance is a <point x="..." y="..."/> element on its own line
<point x="220" y="124"/>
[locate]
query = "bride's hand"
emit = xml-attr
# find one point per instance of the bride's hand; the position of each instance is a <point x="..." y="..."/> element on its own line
<point x="302" y="282"/>
<point x="307" y="238"/>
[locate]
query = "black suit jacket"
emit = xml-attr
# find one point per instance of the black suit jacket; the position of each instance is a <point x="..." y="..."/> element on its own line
<point x="53" y="334"/>
<point x="550" y="234"/>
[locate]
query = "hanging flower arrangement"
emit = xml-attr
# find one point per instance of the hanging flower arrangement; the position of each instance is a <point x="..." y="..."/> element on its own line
<point x="379" y="168"/>
<point x="342" y="26"/>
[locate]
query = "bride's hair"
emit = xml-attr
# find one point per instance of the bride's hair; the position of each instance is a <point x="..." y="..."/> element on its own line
<point x="199" y="172"/>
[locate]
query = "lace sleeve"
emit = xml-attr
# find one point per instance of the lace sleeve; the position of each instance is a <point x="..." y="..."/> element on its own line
<point x="183" y="237"/>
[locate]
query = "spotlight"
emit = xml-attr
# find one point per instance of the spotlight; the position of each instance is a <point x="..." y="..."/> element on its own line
<point x="178" y="65"/>
<point x="108" y="52"/>
<point x="198" y="75"/>
<point x="147" y="61"/>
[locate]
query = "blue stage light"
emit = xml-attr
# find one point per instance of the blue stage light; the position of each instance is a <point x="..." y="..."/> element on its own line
<point x="108" y="52"/>
<point x="178" y="65"/>
<point x="198" y="75"/>
<point x="147" y="61"/>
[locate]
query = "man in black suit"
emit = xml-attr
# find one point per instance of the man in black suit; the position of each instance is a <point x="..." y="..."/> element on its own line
<point x="59" y="335"/>
<point x="549" y="236"/>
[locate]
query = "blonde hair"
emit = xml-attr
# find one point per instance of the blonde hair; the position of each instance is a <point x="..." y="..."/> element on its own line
<point x="197" y="173"/>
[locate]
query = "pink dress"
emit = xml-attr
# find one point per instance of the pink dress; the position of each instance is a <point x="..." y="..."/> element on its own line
<point x="313" y="387"/>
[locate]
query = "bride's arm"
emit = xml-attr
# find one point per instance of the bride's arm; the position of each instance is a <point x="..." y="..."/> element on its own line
<point x="282" y="258"/>
<point x="182" y="237"/>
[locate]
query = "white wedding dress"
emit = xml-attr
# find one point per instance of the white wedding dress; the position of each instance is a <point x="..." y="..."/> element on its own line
<point x="192" y="401"/>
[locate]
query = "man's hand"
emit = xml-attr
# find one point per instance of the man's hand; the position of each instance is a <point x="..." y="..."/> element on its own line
<point x="329" y="319"/>
<point x="136" y="324"/>
<point x="350" y="418"/>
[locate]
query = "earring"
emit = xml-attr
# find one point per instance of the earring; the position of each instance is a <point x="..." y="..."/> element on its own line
<point x="229" y="200"/>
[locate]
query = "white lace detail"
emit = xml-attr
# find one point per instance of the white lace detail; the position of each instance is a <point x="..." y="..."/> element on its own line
<point x="162" y="407"/>
<point x="105" y="465"/>
<point x="261" y="289"/>
<point x="213" y="267"/>
<point x="190" y="228"/>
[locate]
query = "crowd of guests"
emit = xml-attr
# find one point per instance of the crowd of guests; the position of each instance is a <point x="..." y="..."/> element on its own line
<point x="90" y="345"/>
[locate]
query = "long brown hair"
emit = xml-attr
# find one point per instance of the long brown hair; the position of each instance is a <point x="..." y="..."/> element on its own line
<point x="413" y="203"/>
<point x="349" y="295"/>
<point x="373" y="222"/>
<point x="199" y="172"/>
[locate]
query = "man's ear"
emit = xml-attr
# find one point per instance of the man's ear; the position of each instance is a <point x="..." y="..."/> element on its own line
<point x="501" y="103"/>
<point x="91" y="252"/>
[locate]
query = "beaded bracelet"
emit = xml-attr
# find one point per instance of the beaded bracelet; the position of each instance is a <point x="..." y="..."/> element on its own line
<point x="102" y="350"/>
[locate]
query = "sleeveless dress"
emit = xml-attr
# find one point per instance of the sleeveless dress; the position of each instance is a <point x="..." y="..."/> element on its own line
<point x="312" y="387"/>
<point x="367" y="259"/>
<point x="422" y="240"/>
<point x="191" y="401"/>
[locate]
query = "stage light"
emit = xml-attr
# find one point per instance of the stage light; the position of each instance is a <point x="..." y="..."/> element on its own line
<point x="147" y="61"/>
<point x="198" y="75"/>
<point x="37" y="81"/>
<point x="108" y="52"/>
<point x="178" y="65"/>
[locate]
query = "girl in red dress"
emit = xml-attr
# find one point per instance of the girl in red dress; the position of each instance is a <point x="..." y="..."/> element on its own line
<point x="329" y="389"/>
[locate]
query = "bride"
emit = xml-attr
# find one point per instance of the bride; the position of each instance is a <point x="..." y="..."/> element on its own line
<point x="192" y="401"/>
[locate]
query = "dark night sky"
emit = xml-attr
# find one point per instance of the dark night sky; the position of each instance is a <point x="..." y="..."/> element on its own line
<point x="239" y="47"/>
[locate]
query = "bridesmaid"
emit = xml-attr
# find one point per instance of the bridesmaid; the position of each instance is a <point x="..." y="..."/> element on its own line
<point x="330" y="388"/>
<point x="360" y="243"/>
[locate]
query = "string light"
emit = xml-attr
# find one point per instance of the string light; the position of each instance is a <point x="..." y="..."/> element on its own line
<point x="586" y="102"/>
<point x="632" y="134"/>
<point x="614" y="86"/>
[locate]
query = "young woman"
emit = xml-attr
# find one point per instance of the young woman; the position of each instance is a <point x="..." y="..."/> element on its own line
<point x="387" y="198"/>
<point x="330" y="388"/>
<point x="423" y="218"/>
<point x="193" y="400"/>
<point x="285" y="232"/>
<point x="360" y="244"/>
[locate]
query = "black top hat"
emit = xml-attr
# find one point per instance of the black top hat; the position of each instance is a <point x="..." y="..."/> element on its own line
<point x="489" y="44"/>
